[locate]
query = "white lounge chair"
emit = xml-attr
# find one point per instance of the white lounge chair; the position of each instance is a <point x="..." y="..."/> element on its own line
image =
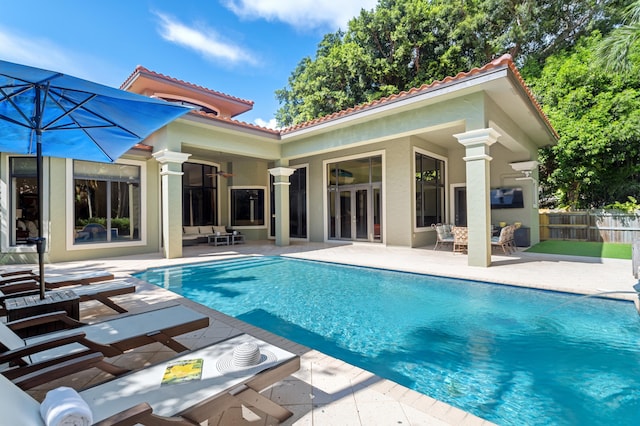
<point x="101" y="292"/>
<point x="110" y="338"/>
<point x="141" y="397"/>
<point x="56" y="281"/>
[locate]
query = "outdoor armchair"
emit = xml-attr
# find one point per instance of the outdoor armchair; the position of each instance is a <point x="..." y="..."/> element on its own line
<point x="460" y="239"/>
<point x="505" y="240"/>
<point x="444" y="234"/>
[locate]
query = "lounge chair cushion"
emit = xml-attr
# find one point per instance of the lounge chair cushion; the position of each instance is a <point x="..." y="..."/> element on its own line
<point x="20" y="407"/>
<point x="146" y="385"/>
<point x="195" y="398"/>
<point x="118" y="329"/>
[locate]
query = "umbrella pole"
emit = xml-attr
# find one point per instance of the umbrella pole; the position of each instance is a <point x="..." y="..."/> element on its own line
<point x="40" y="242"/>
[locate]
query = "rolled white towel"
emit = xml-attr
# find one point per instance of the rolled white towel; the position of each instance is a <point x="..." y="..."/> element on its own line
<point x="63" y="406"/>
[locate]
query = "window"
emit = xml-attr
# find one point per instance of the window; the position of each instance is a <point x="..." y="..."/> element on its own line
<point x="430" y="202"/>
<point x="24" y="199"/>
<point x="247" y="207"/>
<point x="199" y="194"/>
<point x="107" y="202"/>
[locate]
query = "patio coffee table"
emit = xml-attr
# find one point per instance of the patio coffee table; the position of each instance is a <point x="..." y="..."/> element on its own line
<point x="218" y="239"/>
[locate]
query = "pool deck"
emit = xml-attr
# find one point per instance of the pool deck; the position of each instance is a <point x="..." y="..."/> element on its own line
<point x="327" y="391"/>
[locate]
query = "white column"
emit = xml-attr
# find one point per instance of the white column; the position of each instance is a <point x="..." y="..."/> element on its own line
<point x="281" y="188"/>
<point x="477" y="158"/>
<point x="171" y="192"/>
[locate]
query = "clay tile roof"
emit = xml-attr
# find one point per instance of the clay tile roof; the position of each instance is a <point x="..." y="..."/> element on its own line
<point x="504" y="60"/>
<point x="142" y="70"/>
<point x="234" y="122"/>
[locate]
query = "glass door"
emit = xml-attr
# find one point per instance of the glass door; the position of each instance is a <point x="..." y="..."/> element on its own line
<point x="356" y="214"/>
<point x="346" y="198"/>
<point x="361" y="216"/>
<point x="355" y="199"/>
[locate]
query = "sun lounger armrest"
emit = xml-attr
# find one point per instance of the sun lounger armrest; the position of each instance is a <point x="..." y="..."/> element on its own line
<point x="16" y="354"/>
<point x="8" y="285"/>
<point x="44" y="319"/>
<point x="142" y="413"/>
<point x="56" y="371"/>
<point x="19" y="291"/>
<point x="18" y="272"/>
<point x="33" y="279"/>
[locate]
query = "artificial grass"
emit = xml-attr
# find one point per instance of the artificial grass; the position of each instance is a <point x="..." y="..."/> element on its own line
<point x="583" y="248"/>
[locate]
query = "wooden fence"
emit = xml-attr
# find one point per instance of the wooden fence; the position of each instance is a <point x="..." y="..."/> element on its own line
<point x="590" y="225"/>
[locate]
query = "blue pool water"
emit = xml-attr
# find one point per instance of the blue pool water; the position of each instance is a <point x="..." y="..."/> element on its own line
<point x="509" y="355"/>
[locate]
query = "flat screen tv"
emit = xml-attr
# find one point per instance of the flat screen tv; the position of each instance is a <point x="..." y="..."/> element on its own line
<point x="507" y="198"/>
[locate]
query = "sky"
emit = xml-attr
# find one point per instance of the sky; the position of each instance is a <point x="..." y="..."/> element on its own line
<point x="243" y="48"/>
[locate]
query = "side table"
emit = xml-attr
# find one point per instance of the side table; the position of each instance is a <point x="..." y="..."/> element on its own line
<point x="28" y="306"/>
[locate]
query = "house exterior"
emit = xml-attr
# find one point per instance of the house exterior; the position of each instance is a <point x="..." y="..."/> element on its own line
<point x="381" y="173"/>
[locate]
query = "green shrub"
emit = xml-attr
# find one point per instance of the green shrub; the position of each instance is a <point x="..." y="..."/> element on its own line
<point x="629" y="206"/>
<point x="122" y="223"/>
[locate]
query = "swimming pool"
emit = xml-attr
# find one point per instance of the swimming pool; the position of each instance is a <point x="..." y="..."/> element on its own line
<point x="509" y="355"/>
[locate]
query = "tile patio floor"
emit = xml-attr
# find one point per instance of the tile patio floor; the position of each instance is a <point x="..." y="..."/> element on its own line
<point x="327" y="391"/>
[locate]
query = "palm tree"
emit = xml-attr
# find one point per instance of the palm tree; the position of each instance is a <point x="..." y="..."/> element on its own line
<point x="615" y="50"/>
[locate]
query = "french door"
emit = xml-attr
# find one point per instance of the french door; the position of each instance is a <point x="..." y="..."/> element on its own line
<point x="355" y="213"/>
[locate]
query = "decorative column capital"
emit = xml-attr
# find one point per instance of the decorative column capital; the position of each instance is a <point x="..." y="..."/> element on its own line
<point x="170" y="158"/>
<point x="166" y="156"/>
<point x="478" y="137"/>
<point x="477" y="143"/>
<point x="281" y="171"/>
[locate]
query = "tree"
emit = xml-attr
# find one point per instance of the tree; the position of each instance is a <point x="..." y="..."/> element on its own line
<point x="597" y="114"/>
<point x="406" y="43"/>
<point x="616" y="50"/>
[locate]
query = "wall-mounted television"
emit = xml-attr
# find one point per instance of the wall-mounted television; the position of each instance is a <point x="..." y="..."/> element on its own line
<point x="507" y="198"/>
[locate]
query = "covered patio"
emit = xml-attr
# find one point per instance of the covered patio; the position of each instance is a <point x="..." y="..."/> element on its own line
<point x="481" y="129"/>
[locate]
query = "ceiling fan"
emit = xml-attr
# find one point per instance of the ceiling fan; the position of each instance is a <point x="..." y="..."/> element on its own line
<point x="220" y="173"/>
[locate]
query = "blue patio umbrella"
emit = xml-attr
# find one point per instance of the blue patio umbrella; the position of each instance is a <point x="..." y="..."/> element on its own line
<point x="47" y="113"/>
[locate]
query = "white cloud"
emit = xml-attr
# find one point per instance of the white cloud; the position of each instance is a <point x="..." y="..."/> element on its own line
<point x="271" y="124"/>
<point x="302" y="14"/>
<point x="40" y="52"/>
<point x="204" y="41"/>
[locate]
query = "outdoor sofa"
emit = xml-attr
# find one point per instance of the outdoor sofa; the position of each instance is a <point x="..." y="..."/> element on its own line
<point x="199" y="234"/>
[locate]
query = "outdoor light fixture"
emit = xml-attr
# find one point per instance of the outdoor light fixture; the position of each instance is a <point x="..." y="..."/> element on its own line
<point x="527" y="168"/>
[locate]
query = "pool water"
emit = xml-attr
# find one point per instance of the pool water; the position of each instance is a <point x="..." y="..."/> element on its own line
<point x="509" y="355"/>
